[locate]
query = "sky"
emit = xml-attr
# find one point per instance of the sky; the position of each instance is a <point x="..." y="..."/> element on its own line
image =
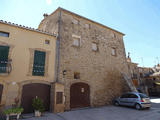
<point x="139" y="20"/>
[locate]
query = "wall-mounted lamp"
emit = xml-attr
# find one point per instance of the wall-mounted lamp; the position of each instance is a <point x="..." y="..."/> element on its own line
<point x="64" y="72"/>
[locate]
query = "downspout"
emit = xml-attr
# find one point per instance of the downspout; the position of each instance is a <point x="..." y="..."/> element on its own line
<point x="58" y="47"/>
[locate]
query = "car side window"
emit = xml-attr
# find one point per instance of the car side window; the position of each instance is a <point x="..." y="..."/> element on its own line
<point x="133" y="96"/>
<point x="124" y="96"/>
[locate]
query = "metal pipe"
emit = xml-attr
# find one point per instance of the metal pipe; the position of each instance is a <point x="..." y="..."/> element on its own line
<point x="58" y="47"/>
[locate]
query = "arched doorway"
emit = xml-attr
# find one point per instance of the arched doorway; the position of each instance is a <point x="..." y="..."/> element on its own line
<point x="30" y="91"/>
<point x="1" y="91"/>
<point x="79" y="95"/>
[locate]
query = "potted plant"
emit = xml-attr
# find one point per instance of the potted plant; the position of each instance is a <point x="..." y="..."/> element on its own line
<point x="38" y="106"/>
<point x="16" y="111"/>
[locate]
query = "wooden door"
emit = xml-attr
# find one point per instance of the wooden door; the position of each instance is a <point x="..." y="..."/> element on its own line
<point x="1" y="91"/>
<point x="30" y="91"/>
<point x="79" y="95"/>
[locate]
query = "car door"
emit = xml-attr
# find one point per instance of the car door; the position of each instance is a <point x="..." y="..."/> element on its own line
<point x="123" y="99"/>
<point x="132" y="98"/>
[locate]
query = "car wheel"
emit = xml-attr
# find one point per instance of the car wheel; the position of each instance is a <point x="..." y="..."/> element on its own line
<point x="138" y="106"/>
<point x="116" y="103"/>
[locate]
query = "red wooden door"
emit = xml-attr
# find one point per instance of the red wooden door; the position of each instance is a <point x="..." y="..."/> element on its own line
<point x="79" y="95"/>
<point x="30" y="91"/>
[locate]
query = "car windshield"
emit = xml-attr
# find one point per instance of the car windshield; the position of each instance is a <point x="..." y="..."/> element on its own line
<point x="143" y="95"/>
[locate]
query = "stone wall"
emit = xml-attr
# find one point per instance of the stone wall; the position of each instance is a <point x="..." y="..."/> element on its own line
<point x="99" y="69"/>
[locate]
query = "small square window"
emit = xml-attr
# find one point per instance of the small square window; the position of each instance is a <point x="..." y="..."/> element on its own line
<point x="76" y="75"/>
<point x="47" y="42"/>
<point x="74" y="21"/>
<point x="4" y="34"/>
<point x="94" y="47"/>
<point x="113" y="51"/>
<point x="87" y="26"/>
<point x="76" y="42"/>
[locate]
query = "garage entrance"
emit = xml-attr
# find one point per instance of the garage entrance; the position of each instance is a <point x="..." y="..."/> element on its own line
<point x="30" y="91"/>
<point x="1" y="91"/>
<point x="79" y="95"/>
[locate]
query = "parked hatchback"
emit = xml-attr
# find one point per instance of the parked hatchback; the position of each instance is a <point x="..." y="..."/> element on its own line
<point x="133" y="99"/>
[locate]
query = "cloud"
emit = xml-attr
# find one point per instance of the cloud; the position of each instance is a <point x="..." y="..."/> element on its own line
<point x="49" y="2"/>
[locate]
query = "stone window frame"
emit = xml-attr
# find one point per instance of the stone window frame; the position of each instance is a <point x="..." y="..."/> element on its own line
<point x="31" y="61"/>
<point x="115" y="51"/>
<point x="76" y="37"/>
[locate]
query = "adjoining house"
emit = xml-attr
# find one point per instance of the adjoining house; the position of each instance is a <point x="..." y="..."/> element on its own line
<point x="76" y="63"/>
<point x="27" y="65"/>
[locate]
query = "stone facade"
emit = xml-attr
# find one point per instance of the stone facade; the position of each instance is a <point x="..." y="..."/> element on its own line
<point x="100" y="67"/>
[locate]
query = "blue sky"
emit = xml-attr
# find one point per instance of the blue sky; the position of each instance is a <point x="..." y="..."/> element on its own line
<point x="138" y="19"/>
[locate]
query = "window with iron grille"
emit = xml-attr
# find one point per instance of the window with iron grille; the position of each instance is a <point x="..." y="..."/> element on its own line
<point x="4" y="50"/>
<point x="39" y="63"/>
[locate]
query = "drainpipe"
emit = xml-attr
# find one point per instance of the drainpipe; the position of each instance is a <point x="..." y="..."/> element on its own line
<point x="58" y="47"/>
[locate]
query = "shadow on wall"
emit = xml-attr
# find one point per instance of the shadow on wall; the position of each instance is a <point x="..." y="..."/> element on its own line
<point x="114" y="86"/>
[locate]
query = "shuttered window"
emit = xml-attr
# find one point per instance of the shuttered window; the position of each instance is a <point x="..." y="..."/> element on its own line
<point x="39" y="63"/>
<point x="4" y="50"/>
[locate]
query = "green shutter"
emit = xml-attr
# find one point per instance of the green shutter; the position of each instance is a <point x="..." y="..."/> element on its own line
<point x="4" y="50"/>
<point x="39" y="63"/>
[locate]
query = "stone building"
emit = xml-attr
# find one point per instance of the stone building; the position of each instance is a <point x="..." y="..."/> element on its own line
<point x="69" y="62"/>
<point x="90" y="59"/>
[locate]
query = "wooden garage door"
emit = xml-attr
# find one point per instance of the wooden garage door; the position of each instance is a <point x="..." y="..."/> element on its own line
<point x="30" y="91"/>
<point x="79" y="95"/>
<point x="1" y="90"/>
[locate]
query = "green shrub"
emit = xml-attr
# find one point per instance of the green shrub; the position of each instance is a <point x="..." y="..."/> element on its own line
<point x="37" y="104"/>
<point x="16" y="110"/>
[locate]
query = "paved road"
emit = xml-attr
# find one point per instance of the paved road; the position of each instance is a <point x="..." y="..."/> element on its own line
<point x="155" y="102"/>
<point x="107" y="113"/>
<point x="104" y="113"/>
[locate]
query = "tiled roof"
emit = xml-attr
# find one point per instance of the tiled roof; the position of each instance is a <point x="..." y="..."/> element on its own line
<point x="27" y="28"/>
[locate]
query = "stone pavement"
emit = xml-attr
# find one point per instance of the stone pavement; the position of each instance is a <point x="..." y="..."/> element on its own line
<point x="104" y="113"/>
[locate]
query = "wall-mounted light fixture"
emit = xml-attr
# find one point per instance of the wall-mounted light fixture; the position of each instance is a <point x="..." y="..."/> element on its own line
<point x="64" y="72"/>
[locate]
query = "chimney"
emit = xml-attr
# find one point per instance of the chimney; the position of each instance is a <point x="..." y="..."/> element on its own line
<point x="45" y="15"/>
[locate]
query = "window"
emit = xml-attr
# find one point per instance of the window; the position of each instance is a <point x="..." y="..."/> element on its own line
<point x="39" y="63"/>
<point x="76" y="75"/>
<point x="113" y="51"/>
<point x="4" y="50"/>
<point x="87" y="26"/>
<point x="125" y="96"/>
<point x="76" y="40"/>
<point x="143" y="95"/>
<point x="74" y="21"/>
<point x="47" y="42"/>
<point x="59" y="97"/>
<point x="4" y="34"/>
<point x="133" y="96"/>
<point x="94" y="47"/>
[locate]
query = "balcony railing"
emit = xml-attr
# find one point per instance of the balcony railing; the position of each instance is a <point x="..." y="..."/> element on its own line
<point x="5" y="67"/>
